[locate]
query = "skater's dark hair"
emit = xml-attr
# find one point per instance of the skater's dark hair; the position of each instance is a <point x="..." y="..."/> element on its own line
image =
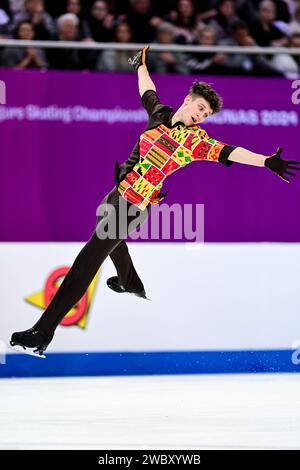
<point x="207" y="92"/>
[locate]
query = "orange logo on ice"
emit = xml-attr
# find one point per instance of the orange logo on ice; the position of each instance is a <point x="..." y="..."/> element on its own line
<point x="79" y="313"/>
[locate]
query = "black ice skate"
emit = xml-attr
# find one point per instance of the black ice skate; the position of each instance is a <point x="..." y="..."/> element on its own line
<point x="31" y="342"/>
<point x="113" y="283"/>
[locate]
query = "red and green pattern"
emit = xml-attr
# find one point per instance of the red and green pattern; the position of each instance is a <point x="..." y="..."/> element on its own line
<point x="166" y="144"/>
<point x="170" y="166"/>
<point x="132" y="177"/>
<point x="163" y="151"/>
<point x="157" y="157"/>
<point x="154" y="175"/>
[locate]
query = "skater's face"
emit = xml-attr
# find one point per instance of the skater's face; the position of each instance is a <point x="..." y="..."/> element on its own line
<point x="195" y="110"/>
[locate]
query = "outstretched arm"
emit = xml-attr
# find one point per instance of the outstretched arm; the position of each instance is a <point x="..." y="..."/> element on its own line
<point x="211" y="149"/>
<point x="273" y="162"/>
<point x="242" y="155"/>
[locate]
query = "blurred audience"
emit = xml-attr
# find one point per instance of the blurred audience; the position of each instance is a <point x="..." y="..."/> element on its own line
<point x="4" y="23"/>
<point x="142" y="21"/>
<point x="206" y="62"/>
<point x="21" y="57"/>
<point x="185" y="20"/>
<point x="294" y="25"/>
<point x="34" y="12"/>
<point x="113" y="60"/>
<point x="287" y="64"/>
<point x="207" y="9"/>
<point x="245" y="64"/>
<point x="225" y="17"/>
<point x="211" y="22"/>
<point x="167" y="62"/>
<point x="264" y="30"/>
<point x="100" y="21"/>
<point x="75" y="7"/>
<point x="69" y="59"/>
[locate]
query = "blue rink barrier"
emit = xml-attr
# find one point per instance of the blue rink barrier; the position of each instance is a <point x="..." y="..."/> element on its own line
<point x="149" y="363"/>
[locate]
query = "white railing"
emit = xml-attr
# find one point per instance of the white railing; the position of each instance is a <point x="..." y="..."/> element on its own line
<point x="154" y="47"/>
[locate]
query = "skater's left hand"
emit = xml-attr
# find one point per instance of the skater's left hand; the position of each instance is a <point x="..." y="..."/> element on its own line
<point x="139" y="58"/>
<point x="281" y="167"/>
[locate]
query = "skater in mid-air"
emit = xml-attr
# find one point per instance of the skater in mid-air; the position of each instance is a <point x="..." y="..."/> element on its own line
<point x="171" y="140"/>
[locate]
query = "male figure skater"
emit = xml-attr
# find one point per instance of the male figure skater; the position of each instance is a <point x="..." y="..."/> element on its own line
<point x="171" y="140"/>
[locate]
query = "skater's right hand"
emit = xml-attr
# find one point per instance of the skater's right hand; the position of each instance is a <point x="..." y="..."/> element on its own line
<point x="139" y="58"/>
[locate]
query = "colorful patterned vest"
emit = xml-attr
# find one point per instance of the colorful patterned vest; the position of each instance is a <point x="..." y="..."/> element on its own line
<point x="164" y="150"/>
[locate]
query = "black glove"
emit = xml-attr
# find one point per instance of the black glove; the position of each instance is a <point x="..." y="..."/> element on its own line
<point x="139" y="58"/>
<point x="279" y="166"/>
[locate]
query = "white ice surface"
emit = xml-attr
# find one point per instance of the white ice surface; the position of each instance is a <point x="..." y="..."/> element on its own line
<point x="151" y="412"/>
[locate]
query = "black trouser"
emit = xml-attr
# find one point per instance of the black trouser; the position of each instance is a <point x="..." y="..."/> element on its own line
<point x="88" y="262"/>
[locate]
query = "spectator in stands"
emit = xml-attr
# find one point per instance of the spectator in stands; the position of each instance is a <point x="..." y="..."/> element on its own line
<point x="247" y="10"/>
<point x="56" y="8"/>
<point x="75" y="7"/>
<point x="282" y="11"/>
<point x="167" y="62"/>
<point x="245" y="64"/>
<point x="264" y="30"/>
<point x="142" y="21"/>
<point x="225" y="17"/>
<point x="21" y="57"/>
<point x="35" y="13"/>
<point x="207" y="10"/>
<point x="68" y="59"/>
<point x="67" y="27"/>
<point x="292" y="6"/>
<point x="164" y="22"/>
<point x="206" y="62"/>
<point x="295" y="41"/>
<point x="120" y="8"/>
<point x="101" y="22"/>
<point x="163" y="8"/>
<point x="4" y="23"/>
<point x="113" y="60"/>
<point x="15" y="6"/>
<point x="287" y="64"/>
<point x="184" y="18"/>
<point x="294" y="26"/>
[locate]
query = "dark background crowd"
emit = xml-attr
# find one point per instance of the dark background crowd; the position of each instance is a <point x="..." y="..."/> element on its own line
<point x="197" y="22"/>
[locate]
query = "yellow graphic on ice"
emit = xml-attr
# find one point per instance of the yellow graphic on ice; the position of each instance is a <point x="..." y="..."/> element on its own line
<point x="79" y="313"/>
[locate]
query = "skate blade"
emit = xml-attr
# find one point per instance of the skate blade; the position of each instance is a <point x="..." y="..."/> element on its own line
<point x="138" y="296"/>
<point x="30" y="352"/>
